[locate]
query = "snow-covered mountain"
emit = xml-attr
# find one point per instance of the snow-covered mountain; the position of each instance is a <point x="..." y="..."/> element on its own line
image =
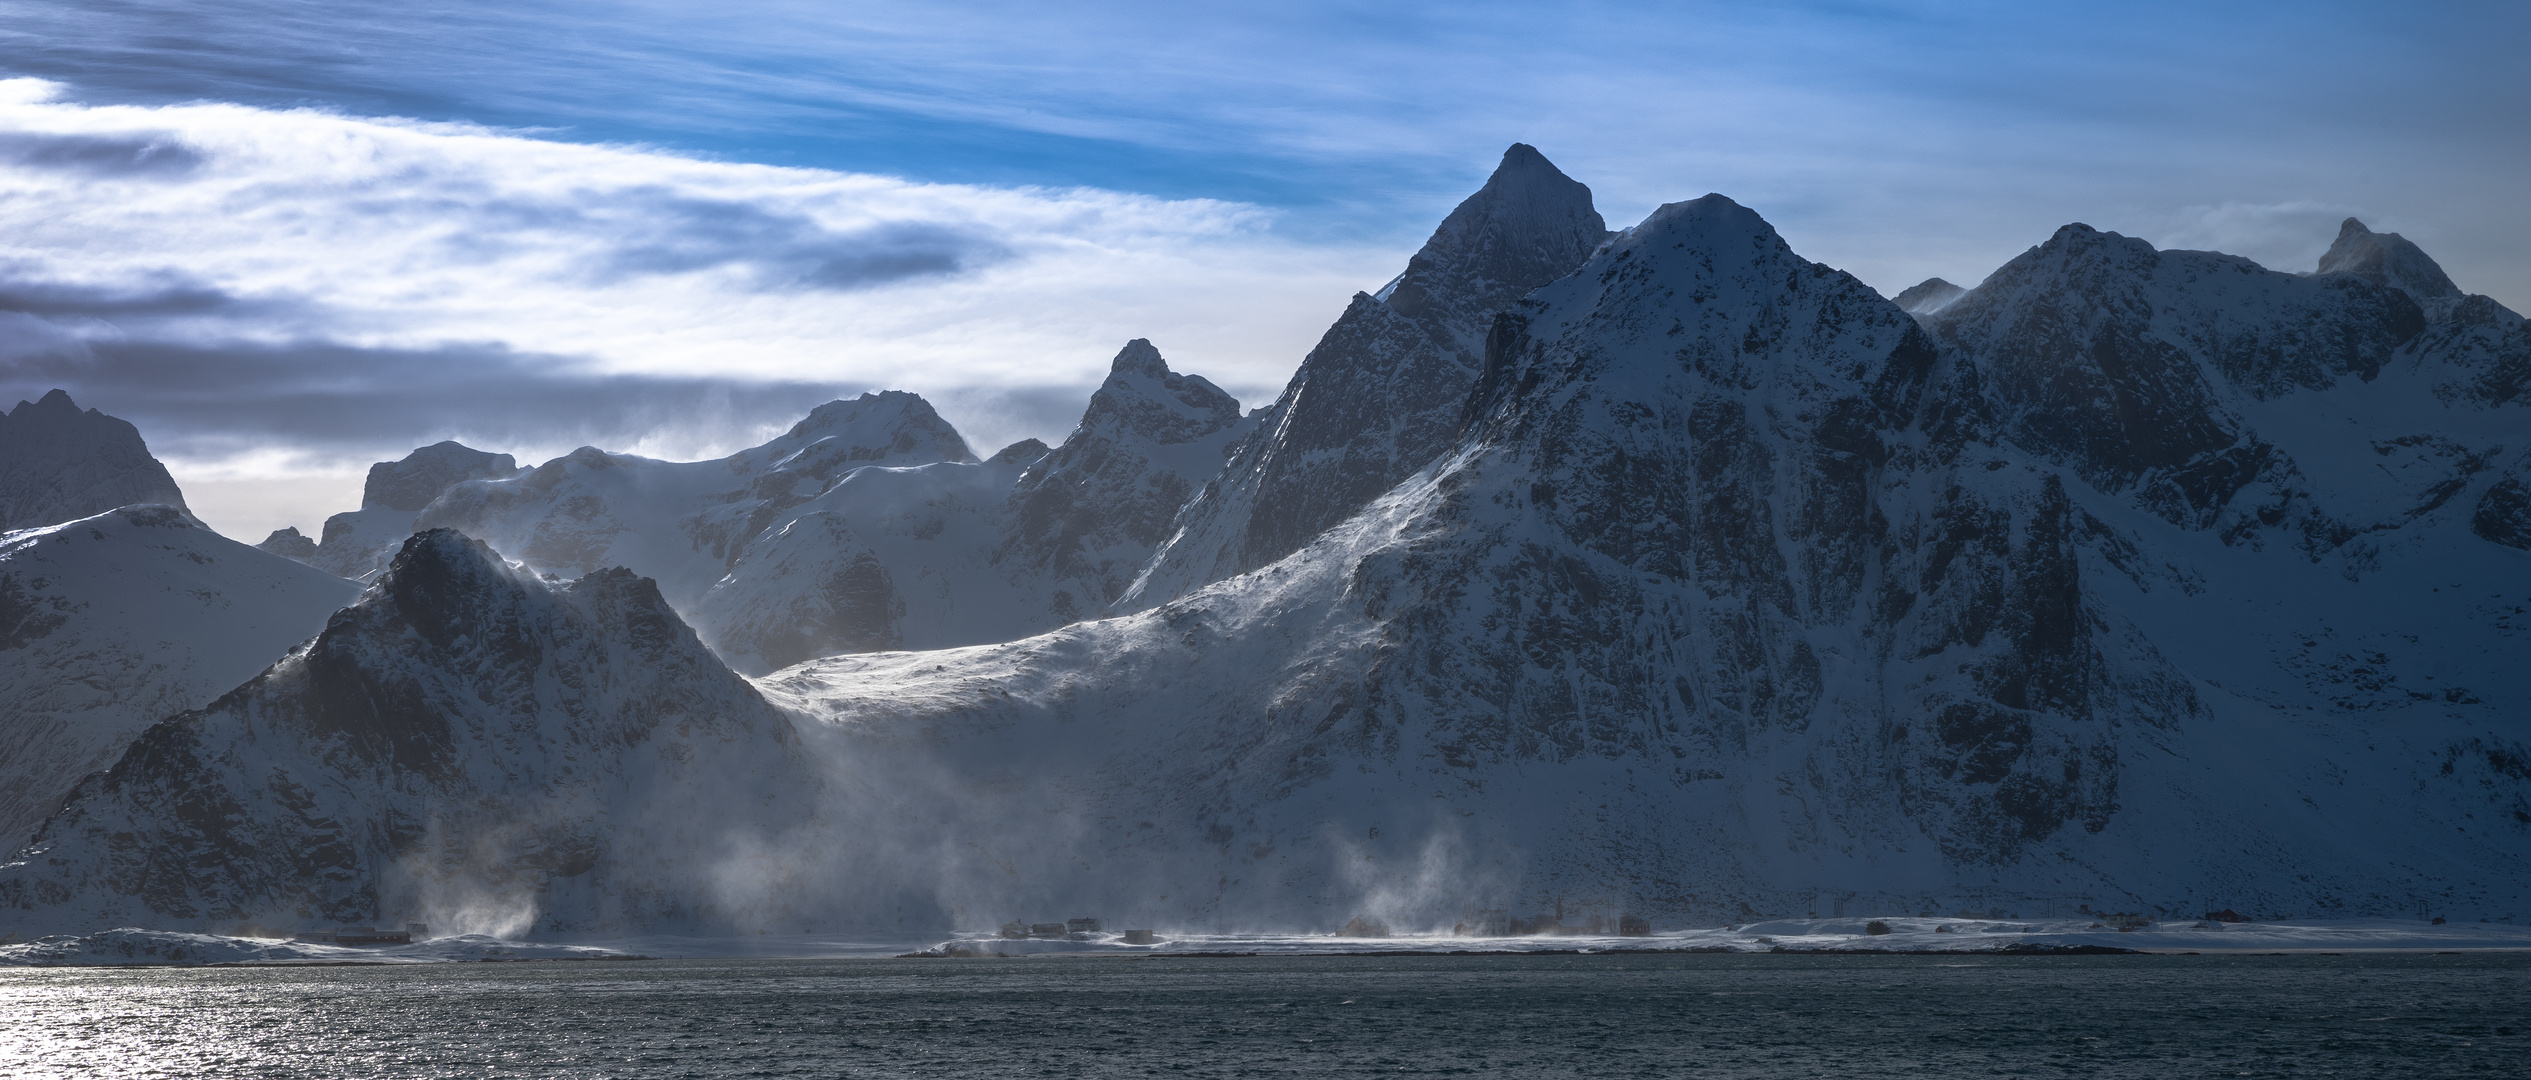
<point x="684" y="523"/>
<point x="1381" y="395"/>
<point x="962" y="554"/>
<point x="59" y="463"/>
<point x="1744" y="593"/>
<point x="867" y="526"/>
<point x="114" y="622"/>
<point x="468" y="746"/>
<point x="358" y="544"/>
<point x="1666" y="571"/>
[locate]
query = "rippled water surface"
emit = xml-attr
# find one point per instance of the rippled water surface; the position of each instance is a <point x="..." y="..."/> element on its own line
<point x="2162" y="1017"/>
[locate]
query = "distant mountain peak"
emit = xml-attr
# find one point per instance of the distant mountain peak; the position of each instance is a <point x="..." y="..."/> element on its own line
<point x="1140" y="357"/>
<point x="1143" y="398"/>
<point x="289" y="543"/>
<point x="412" y="482"/>
<point x="60" y="463"/>
<point x="57" y="402"/>
<point x="2387" y="259"/>
<point x="1928" y="296"/>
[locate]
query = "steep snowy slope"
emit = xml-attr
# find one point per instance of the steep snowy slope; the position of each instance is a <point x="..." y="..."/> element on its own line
<point x="1381" y="395"/>
<point x="58" y="463"/>
<point x="357" y="544"/>
<point x="112" y="623"/>
<point x="1741" y="597"/>
<point x="467" y="746"/>
<point x="962" y="554"/>
<point x="684" y="523"/>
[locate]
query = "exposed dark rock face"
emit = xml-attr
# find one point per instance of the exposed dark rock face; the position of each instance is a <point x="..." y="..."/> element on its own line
<point x="59" y="463"/>
<point x="463" y="736"/>
<point x="2132" y="366"/>
<point x="1381" y="395"/>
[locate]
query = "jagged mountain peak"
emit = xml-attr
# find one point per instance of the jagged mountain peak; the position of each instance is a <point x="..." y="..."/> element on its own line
<point x="1088" y="514"/>
<point x="55" y="402"/>
<point x="61" y="463"/>
<point x="2387" y="259"/>
<point x="1142" y="398"/>
<point x="1140" y="357"/>
<point x="1928" y="296"/>
<point x="1530" y="224"/>
<point x="1381" y="394"/>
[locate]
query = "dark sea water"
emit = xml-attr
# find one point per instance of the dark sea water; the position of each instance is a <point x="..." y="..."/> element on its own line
<point x="2158" y="1017"/>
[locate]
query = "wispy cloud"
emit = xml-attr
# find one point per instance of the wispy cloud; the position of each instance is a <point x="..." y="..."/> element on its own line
<point x="303" y="285"/>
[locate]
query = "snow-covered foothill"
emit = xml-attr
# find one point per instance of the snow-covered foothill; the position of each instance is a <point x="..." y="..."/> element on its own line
<point x="114" y="622"/>
<point x="468" y="746"/>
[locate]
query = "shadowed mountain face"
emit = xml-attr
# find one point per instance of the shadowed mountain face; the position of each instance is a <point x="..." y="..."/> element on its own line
<point x="58" y="463"/>
<point x="466" y="743"/>
<point x="1381" y="395"/>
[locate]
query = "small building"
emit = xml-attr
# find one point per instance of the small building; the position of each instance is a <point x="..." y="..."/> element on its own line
<point x="1081" y="926"/>
<point x="2125" y="921"/>
<point x="1015" y="929"/>
<point x="1633" y="926"/>
<point x="2226" y="915"/>
<point x="1047" y="929"/>
<point x="1138" y="937"/>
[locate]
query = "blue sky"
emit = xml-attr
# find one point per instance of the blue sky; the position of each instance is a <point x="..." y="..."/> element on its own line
<point x="1292" y="151"/>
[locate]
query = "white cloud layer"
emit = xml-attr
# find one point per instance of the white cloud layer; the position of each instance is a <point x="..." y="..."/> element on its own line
<point x="247" y="254"/>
